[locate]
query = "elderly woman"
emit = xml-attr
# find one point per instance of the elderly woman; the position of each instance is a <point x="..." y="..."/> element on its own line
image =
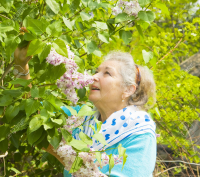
<point x="120" y="93"/>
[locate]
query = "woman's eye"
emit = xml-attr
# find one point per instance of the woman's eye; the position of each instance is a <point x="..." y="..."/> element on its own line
<point x="107" y="73"/>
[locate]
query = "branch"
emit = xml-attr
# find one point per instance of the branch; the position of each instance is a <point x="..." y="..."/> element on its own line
<point x="169" y="52"/>
<point x="167" y="170"/>
<point x="76" y="13"/>
<point x="4" y="16"/>
<point x="7" y="70"/>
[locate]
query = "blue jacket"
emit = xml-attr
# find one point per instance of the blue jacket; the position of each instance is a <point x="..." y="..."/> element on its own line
<point x="141" y="151"/>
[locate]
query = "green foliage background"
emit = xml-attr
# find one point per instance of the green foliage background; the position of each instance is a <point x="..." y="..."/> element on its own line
<point x="160" y="38"/>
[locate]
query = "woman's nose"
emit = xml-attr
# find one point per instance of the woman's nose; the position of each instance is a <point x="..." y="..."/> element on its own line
<point x="95" y="77"/>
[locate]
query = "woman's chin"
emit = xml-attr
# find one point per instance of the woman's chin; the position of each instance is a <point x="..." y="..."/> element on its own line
<point x="93" y="98"/>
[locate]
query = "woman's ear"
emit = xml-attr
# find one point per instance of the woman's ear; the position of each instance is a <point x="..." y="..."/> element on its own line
<point x="129" y="91"/>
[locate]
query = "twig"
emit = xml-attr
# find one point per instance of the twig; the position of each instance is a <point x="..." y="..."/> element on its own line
<point x="167" y="170"/>
<point x="2" y="156"/>
<point x="180" y="161"/>
<point x="4" y="16"/>
<point x="45" y="85"/>
<point x="169" y="52"/>
<point x="7" y="70"/>
<point x="76" y="13"/>
<point x="2" y="87"/>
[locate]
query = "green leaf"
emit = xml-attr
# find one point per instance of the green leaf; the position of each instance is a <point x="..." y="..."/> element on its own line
<point x="153" y="62"/>
<point x="57" y="121"/>
<point x="104" y="37"/>
<point x="11" y="44"/>
<point x="99" y="123"/>
<point x="101" y="25"/>
<point x="78" y="144"/>
<point x="74" y="5"/>
<point x="1" y="110"/>
<point x="72" y="111"/>
<point x="11" y="112"/>
<point x="111" y="162"/>
<point x="35" y="47"/>
<point x="143" y="3"/>
<point x="86" y="139"/>
<point x="147" y="55"/>
<point x="31" y="106"/>
<point x="98" y="157"/>
<point x="55" y="140"/>
<point x="7" y="4"/>
<point x="157" y="111"/>
<point x="92" y="5"/>
<point x="91" y="46"/>
<point x="81" y="92"/>
<point x="85" y="16"/>
<point x="54" y="6"/>
<point x="35" y="124"/>
<point x="29" y="37"/>
<point x="85" y="111"/>
<point x="121" y="150"/>
<point x="17" y="158"/>
<point x="48" y="106"/>
<point x="15" y="140"/>
<point x="163" y="8"/>
<point x="54" y="72"/>
<point x="147" y="16"/>
<point x="126" y="36"/>
<point x="4" y="28"/>
<point x="45" y="52"/>
<point x="4" y="131"/>
<point x="55" y="29"/>
<point x="22" y="82"/>
<point x="34" y="136"/>
<point x="124" y="159"/>
<point x="80" y="63"/>
<point x="5" y="100"/>
<point x="123" y="17"/>
<point x="140" y="32"/>
<point x="4" y="145"/>
<point x="13" y="93"/>
<point x="67" y="136"/>
<point x="99" y="137"/>
<point x="76" y="164"/>
<point x="143" y="24"/>
<point x="92" y="127"/>
<point x="68" y="23"/>
<point x="48" y="125"/>
<point x="60" y="47"/>
<point x="36" y="26"/>
<point x="35" y="92"/>
<point x="78" y="45"/>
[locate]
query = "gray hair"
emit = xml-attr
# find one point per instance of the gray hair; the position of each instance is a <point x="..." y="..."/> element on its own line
<point x="146" y="92"/>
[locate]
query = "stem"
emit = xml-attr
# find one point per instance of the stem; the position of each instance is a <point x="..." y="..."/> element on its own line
<point x="4" y="16"/>
<point x="169" y="52"/>
<point x="76" y="13"/>
<point x="45" y="85"/>
<point x="7" y="70"/>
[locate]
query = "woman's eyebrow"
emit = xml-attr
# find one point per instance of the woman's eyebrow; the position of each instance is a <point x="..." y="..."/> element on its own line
<point x="107" y="67"/>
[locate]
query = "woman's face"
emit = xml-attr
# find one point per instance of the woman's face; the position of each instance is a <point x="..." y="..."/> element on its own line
<point x="107" y="84"/>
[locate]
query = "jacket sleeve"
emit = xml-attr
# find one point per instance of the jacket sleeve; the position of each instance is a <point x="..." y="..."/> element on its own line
<point x="141" y="151"/>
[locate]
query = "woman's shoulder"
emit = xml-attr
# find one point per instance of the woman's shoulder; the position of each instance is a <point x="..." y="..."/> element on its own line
<point x="139" y="138"/>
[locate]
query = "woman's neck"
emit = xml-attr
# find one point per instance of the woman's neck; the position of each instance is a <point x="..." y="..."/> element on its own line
<point x="106" y="111"/>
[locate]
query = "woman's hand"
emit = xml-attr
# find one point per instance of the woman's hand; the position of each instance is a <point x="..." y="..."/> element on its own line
<point x="20" y="57"/>
<point x="50" y="150"/>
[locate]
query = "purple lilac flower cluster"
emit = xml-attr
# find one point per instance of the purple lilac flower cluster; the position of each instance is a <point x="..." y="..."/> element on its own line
<point x="90" y="167"/>
<point x="71" y="79"/>
<point x="131" y="7"/>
